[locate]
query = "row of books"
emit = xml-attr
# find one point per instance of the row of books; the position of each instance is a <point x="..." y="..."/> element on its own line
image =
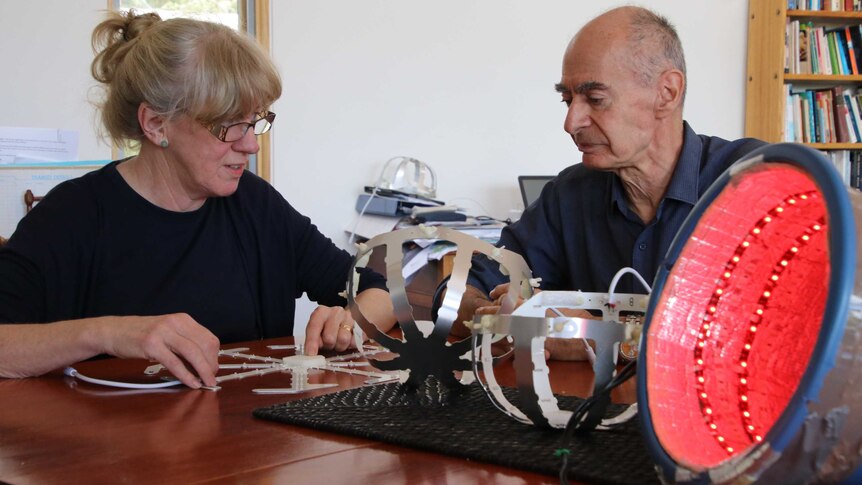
<point x="832" y="115"/>
<point x="830" y="5"/>
<point x="849" y="166"/>
<point x="818" y="50"/>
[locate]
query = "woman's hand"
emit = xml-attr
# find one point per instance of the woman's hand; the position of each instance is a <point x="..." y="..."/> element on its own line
<point x="176" y="341"/>
<point x="329" y="328"/>
<point x="172" y="340"/>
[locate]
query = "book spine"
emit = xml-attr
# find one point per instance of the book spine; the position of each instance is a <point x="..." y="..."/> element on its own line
<point x="796" y="56"/>
<point x="857" y="169"/>
<point x="833" y="53"/>
<point x="798" y="125"/>
<point x="789" y="129"/>
<point x="854" y="170"/>
<point x="852" y="125"/>
<point x="804" y="56"/>
<point x="813" y="49"/>
<point x="851" y="51"/>
<point x="842" y="52"/>
<point x="823" y="52"/>
<point x="813" y="121"/>
<point x="856" y="37"/>
<point x="856" y="115"/>
<point x="819" y="123"/>
<point x="840" y="113"/>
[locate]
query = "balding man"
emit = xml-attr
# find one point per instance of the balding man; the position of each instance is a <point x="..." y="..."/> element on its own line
<point x="623" y="82"/>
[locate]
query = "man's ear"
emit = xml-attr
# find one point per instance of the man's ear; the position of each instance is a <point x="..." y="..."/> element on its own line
<point x="152" y="124"/>
<point x="671" y="88"/>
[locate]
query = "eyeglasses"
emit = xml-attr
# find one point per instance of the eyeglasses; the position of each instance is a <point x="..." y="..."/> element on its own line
<point x="235" y="131"/>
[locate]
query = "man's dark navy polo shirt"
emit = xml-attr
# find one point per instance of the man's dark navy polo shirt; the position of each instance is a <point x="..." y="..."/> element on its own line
<point x="581" y="231"/>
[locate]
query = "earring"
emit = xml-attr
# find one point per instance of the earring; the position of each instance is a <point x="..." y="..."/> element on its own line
<point x="164" y="143"/>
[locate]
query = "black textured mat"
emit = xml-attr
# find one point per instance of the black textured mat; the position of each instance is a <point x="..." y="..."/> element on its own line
<point x="467" y="425"/>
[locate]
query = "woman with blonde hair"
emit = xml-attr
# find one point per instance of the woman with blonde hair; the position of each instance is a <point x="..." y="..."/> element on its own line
<point x="166" y="254"/>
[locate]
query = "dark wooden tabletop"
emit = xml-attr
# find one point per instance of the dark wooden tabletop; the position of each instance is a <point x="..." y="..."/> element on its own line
<point x="56" y="429"/>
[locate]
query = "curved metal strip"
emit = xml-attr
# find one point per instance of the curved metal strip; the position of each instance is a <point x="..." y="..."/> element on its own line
<point x="432" y="355"/>
<point x="536" y="397"/>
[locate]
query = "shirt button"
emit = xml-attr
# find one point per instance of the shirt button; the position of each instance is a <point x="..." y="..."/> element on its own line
<point x="642" y="246"/>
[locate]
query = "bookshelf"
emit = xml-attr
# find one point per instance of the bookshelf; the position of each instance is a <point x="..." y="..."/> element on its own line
<point x="768" y="82"/>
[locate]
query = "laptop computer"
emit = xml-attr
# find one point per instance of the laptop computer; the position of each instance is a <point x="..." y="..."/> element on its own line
<point x="531" y="187"/>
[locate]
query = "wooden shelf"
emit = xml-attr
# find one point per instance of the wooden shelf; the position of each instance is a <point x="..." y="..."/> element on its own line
<point x="766" y="79"/>
<point x="823" y="15"/>
<point x="835" y="146"/>
<point x="764" y="101"/>
<point x="830" y="78"/>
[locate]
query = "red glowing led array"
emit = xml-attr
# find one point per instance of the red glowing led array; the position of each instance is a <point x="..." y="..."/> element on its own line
<point x="711" y="387"/>
<point x="708" y="318"/>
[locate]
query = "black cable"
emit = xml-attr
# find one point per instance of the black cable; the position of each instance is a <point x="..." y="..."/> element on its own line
<point x="506" y="221"/>
<point x="578" y="425"/>
<point x="564" y="468"/>
<point x="438" y="293"/>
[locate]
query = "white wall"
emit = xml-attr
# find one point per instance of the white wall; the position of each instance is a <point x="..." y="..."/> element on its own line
<point x="463" y="85"/>
<point x="45" y="56"/>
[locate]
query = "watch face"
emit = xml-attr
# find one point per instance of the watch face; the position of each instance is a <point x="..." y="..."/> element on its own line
<point x="629" y="348"/>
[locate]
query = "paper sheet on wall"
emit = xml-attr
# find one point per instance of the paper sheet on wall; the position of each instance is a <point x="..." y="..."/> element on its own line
<point x="36" y="145"/>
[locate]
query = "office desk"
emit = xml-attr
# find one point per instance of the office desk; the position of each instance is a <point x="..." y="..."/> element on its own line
<point x="54" y="429"/>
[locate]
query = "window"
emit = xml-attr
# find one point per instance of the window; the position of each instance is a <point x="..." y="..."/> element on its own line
<point x="225" y="12"/>
<point x="251" y="16"/>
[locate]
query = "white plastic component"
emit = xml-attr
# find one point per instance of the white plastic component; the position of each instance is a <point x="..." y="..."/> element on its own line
<point x="305" y="361"/>
<point x="430" y="231"/>
<point x="298" y="365"/>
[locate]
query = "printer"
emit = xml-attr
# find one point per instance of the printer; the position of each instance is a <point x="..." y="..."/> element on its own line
<point x="387" y="202"/>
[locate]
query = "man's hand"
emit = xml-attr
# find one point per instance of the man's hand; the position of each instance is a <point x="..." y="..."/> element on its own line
<point x="472" y="299"/>
<point x="555" y="348"/>
<point x="172" y="340"/>
<point x="474" y="302"/>
<point x="497" y="295"/>
<point x="329" y="328"/>
<point x="568" y="348"/>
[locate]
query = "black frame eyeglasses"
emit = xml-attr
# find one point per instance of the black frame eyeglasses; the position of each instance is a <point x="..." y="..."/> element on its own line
<point x="235" y="131"/>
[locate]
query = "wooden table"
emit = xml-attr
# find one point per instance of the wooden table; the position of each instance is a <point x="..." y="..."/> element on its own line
<point x="55" y="429"/>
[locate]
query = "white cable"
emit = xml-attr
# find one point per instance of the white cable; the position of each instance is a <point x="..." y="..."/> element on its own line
<point x="619" y="275"/>
<point x="352" y="239"/>
<point x="481" y="207"/>
<point x="71" y="372"/>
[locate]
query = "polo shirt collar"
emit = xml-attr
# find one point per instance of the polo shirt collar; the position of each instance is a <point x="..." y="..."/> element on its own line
<point x="684" y="182"/>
